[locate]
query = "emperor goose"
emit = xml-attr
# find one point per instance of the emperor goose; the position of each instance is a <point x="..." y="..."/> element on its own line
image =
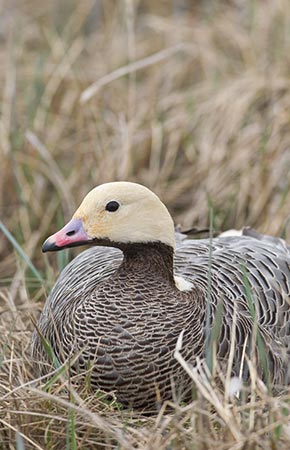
<point x="118" y="308"/>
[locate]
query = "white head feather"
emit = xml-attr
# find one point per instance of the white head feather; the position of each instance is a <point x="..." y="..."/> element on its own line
<point x="141" y="216"/>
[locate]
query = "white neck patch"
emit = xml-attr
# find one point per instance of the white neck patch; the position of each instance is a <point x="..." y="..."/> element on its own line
<point x="182" y="284"/>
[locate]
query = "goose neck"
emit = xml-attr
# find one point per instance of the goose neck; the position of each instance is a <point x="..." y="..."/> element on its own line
<point x="153" y="258"/>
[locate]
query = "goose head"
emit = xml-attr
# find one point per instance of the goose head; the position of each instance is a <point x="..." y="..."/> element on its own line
<point x="114" y="214"/>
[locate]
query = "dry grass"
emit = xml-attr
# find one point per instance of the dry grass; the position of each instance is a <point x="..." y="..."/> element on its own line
<point x="194" y="102"/>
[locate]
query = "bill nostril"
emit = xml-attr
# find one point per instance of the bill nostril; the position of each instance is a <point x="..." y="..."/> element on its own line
<point x="70" y="233"/>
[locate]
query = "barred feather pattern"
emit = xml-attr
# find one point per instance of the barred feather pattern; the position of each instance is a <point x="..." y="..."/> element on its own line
<point x="118" y="315"/>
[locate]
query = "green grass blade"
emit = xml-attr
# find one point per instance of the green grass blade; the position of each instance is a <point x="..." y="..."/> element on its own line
<point x="217" y="323"/>
<point x="262" y="351"/>
<point x="55" y="377"/>
<point x="71" y="442"/>
<point x="208" y="338"/>
<point x="21" y="252"/>
<point x="49" y="350"/>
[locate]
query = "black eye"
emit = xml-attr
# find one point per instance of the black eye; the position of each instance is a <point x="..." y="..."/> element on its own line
<point x="112" y="206"/>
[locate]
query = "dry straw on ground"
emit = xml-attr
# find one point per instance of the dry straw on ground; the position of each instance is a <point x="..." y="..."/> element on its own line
<point x="191" y="99"/>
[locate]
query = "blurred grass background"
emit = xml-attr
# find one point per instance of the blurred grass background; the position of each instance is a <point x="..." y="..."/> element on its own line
<point x="190" y="98"/>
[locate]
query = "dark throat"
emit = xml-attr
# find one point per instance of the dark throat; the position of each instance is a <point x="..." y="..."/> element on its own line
<point x="154" y="259"/>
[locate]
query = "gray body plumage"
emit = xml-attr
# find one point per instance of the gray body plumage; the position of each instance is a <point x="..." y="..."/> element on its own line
<point x="122" y="315"/>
